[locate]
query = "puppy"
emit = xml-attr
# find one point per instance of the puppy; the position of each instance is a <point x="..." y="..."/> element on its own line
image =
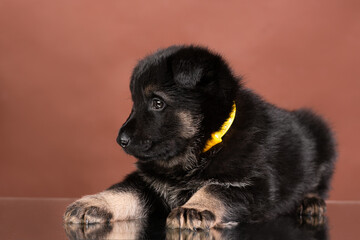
<point x="211" y="153"/>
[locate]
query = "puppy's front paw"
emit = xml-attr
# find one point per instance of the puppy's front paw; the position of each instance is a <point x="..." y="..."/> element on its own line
<point x="89" y="209"/>
<point x="312" y="205"/>
<point x="190" y="218"/>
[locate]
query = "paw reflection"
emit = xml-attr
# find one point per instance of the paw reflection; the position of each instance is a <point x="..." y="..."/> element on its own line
<point x="313" y="221"/>
<point x="116" y="230"/>
<point x="306" y="227"/>
<point x="176" y="234"/>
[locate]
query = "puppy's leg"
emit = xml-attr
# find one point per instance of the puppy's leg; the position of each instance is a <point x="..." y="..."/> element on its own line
<point x="312" y="205"/>
<point x="121" y="202"/>
<point x="312" y="210"/>
<point x="223" y="205"/>
<point x="110" y="205"/>
<point x="203" y="210"/>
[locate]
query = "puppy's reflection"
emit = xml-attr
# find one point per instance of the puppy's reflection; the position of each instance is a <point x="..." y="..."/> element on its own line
<point x="133" y="229"/>
<point x="308" y="227"/>
<point x="281" y="228"/>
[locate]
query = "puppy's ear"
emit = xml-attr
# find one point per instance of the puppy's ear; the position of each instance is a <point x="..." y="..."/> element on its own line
<point x="187" y="73"/>
<point x="197" y="67"/>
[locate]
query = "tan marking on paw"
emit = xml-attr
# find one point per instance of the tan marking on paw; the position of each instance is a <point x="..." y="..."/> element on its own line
<point x="105" y="206"/>
<point x="203" y="200"/>
<point x="312" y="205"/>
<point x="202" y="211"/>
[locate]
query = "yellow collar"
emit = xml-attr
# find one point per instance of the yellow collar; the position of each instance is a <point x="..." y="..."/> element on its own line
<point x="216" y="136"/>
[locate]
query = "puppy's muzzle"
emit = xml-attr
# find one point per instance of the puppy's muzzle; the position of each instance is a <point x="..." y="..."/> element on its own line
<point x="131" y="145"/>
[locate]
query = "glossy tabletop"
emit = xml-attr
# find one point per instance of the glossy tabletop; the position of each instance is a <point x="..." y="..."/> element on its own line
<point x="41" y="218"/>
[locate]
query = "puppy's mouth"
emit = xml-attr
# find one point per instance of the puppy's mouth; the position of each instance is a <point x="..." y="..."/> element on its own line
<point x="159" y="150"/>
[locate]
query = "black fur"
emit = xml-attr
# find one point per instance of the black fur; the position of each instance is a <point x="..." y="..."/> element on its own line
<point x="283" y="155"/>
<point x="269" y="161"/>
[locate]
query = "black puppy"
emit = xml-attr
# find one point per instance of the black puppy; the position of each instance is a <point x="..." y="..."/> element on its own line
<point x="210" y="151"/>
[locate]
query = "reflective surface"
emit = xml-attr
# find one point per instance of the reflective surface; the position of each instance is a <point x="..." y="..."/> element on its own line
<point x="26" y="218"/>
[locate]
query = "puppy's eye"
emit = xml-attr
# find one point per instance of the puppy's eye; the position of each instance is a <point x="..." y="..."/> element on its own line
<point x="157" y="104"/>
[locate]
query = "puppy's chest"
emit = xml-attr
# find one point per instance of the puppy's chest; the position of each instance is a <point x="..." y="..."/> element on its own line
<point x="173" y="194"/>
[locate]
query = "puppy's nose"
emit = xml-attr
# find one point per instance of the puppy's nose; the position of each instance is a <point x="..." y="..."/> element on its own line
<point x="123" y="140"/>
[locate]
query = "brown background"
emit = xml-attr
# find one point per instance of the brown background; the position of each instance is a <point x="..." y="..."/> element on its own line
<point x="65" y="67"/>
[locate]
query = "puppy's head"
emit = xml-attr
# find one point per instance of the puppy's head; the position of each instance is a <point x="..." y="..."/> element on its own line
<point x="180" y="95"/>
